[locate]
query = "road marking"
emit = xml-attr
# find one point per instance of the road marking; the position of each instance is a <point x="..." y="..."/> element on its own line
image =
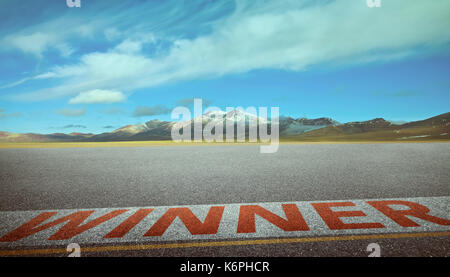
<point x="161" y="225"/>
<point x="141" y="247"/>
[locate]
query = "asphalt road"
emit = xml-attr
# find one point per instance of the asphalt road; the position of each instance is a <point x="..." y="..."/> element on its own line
<point x="75" y="178"/>
<point x="68" y="178"/>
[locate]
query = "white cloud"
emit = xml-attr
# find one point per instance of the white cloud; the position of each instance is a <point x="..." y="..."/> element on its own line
<point x="286" y="35"/>
<point x="53" y="34"/>
<point x="34" y="43"/>
<point x="98" y="96"/>
<point x="129" y="46"/>
<point x="37" y="43"/>
<point x="134" y="45"/>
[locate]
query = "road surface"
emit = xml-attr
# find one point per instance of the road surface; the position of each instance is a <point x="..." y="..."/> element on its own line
<point x="33" y="181"/>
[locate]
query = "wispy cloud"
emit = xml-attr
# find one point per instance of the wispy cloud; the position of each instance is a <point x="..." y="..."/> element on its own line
<point x="150" y="111"/>
<point x="37" y="43"/>
<point x="98" y="96"/>
<point x="72" y="112"/>
<point x="282" y="35"/>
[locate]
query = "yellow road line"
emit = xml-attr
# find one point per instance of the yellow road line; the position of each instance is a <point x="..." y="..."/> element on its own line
<point x="24" y="252"/>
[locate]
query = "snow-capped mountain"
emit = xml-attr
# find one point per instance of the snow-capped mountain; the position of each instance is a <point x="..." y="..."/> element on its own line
<point x="236" y="115"/>
<point x="290" y="128"/>
<point x="161" y="130"/>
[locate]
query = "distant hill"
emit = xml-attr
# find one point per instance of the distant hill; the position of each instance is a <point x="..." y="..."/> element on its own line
<point x="290" y="126"/>
<point x="151" y="130"/>
<point x="440" y="120"/>
<point x="291" y="129"/>
<point x="31" y="137"/>
<point x="378" y="129"/>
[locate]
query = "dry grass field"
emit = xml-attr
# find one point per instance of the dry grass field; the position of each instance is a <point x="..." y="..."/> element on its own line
<point x="330" y="140"/>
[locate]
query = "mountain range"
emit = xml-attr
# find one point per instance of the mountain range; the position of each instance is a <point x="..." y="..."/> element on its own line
<point x="291" y="129"/>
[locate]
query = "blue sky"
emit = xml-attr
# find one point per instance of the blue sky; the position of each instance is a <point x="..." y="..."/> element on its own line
<point x="113" y="63"/>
